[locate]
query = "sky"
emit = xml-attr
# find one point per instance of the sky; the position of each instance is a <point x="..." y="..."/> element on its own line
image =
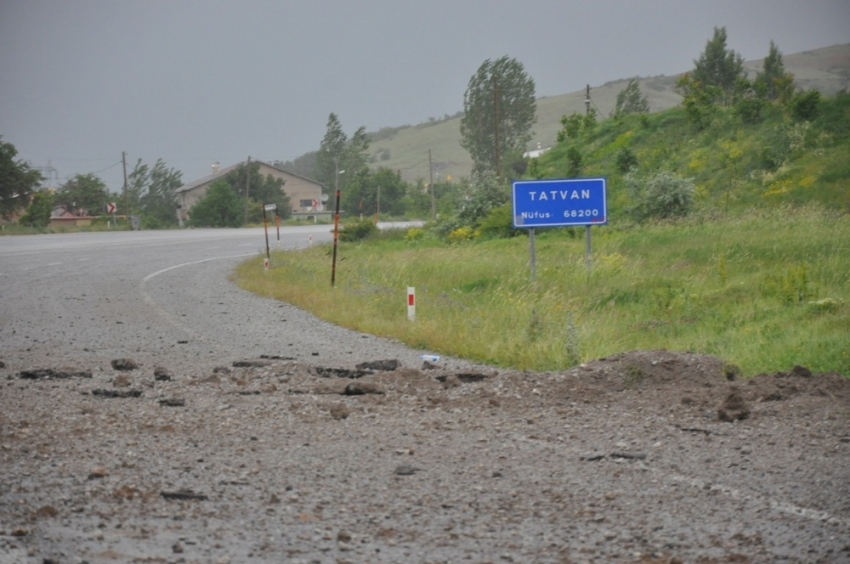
<point x="198" y="81"/>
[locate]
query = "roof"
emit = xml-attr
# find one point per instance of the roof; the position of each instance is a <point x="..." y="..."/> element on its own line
<point x="210" y="177"/>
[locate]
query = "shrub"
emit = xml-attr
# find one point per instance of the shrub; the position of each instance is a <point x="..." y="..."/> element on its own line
<point x="804" y="105"/>
<point x="499" y="223"/>
<point x="626" y="160"/>
<point x="414" y="234"/>
<point x="663" y="195"/>
<point x="357" y="230"/>
<point x="461" y="234"/>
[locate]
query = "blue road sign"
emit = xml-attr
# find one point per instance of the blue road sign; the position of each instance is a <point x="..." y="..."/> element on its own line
<point x="559" y="202"/>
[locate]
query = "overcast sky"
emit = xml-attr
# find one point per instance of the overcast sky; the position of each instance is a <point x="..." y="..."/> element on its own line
<point x="193" y="82"/>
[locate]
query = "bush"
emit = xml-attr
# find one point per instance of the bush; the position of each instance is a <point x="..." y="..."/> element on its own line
<point x="804" y="105"/>
<point x="626" y="160"/>
<point x="663" y="195"/>
<point x="461" y="234"/>
<point x="357" y="230"/>
<point x="499" y="223"/>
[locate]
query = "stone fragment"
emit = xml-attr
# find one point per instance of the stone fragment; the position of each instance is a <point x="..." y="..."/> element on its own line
<point x="98" y="472"/>
<point x="121" y="381"/>
<point x="381" y="365"/>
<point x="161" y="374"/>
<point x="451" y="381"/>
<point x="733" y="408"/>
<point x="46" y="511"/>
<point x="406" y="470"/>
<point x="360" y="388"/>
<point x="339" y="411"/>
<point x="124" y="364"/>
<point x="116" y="393"/>
<point x="173" y="402"/>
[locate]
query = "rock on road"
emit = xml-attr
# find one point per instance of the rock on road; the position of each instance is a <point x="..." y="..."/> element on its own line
<point x="151" y="411"/>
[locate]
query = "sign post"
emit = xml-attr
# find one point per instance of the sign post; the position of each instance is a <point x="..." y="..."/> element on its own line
<point x="562" y="202"/>
<point x="411" y="303"/>
<point x="110" y="209"/>
<point x="267" y="207"/>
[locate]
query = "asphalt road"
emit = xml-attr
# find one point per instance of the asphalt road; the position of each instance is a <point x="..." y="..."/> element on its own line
<point x="571" y="467"/>
<point x="87" y="298"/>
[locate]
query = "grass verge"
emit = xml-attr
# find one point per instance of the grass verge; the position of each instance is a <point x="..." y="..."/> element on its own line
<point x="765" y="291"/>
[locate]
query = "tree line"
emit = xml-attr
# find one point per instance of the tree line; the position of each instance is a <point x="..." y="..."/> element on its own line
<point x="496" y="125"/>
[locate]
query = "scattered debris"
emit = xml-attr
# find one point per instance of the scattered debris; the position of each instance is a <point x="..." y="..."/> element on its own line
<point x="464" y="377"/>
<point x="341" y="373"/>
<point x="360" y="388"/>
<point x="173" y="402"/>
<point x="161" y="374"/>
<point x="184" y="495"/>
<point x="276" y="357"/>
<point x="339" y="411"/>
<point x="733" y="408"/>
<point x="50" y="373"/>
<point x="98" y="472"/>
<point x="381" y="365"/>
<point x="124" y="364"/>
<point x="121" y="381"/>
<point x="251" y="363"/>
<point x="406" y="470"/>
<point x="629" y="455"/>
<point x="116" y="394"/>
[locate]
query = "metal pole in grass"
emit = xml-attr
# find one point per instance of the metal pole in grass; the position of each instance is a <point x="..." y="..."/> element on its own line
<point x="587" y="248"/>
<point x="533" y="255"/>
<point x="336" y="239"/>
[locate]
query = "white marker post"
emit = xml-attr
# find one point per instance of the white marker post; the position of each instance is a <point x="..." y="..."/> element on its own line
<point x="411" y="303"/>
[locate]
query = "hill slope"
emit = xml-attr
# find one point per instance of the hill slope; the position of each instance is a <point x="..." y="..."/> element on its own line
<point x="406" y="148"/>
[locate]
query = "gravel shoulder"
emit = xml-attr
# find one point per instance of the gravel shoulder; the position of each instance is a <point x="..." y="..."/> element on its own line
<point x="245" y="430"/>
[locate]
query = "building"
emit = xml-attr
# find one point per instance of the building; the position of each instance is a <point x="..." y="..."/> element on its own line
<point x="305" y="195"/>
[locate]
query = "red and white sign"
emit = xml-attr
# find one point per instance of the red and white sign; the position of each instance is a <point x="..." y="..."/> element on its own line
<point x="110" y="207"/>
<point x="411" y="303"/>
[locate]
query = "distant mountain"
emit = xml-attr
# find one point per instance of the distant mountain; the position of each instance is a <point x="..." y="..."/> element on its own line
<point x="406" y="148"/>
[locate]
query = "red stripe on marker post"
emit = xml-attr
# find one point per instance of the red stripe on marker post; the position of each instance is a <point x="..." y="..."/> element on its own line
<point x="411" y="303"/>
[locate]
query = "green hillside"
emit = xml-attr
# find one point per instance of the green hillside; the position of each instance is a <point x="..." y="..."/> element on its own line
<point x="783" y="159"/>
<point x="406" y="148"/>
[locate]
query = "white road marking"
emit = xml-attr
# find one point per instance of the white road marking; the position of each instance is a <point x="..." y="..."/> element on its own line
<point x="159" y="309"/>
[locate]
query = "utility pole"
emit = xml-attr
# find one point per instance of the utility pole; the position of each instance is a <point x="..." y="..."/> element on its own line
<point x="126" y="196"/>
<point x="247" y="184"/>
<point x="378" y="206"/>
<point x="496" y="127"/>
<point x="431" y="186"/>
<point x="587" y="101"/>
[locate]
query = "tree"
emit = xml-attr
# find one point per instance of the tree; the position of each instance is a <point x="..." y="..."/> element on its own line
<point x="718" y="66"/>
<point x="39" y="210"/>
<point x="220" y="207"/>
<point x="499" y="111"/>
<point x="159" y="204"/>
<point x="577" y="125"/>
<point x="17" y="181"/>
<point x="361" y="193"/>
<point x="357" y="152"/>
<point x="630" y="101"/>
<point x="329" y="159"/>
<point x="83" y="194"/>
<point x="261" y="189"/>
<point x="773" y="82"/>
<point x="481" y="196"/>
<point x="152" y="193"/>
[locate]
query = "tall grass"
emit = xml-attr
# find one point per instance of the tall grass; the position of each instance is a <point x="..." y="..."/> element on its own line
<point x="765" y="291"/>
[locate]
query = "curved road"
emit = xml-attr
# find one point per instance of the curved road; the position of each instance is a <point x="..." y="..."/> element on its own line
<point x="91" y="297"/>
